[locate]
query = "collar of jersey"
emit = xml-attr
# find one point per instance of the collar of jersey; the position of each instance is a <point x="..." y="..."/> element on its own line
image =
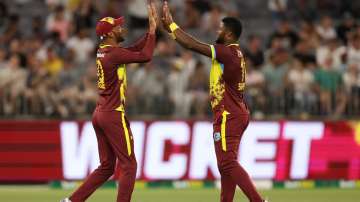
<point x="233" y="44"/>
<point x="105" y="46"/>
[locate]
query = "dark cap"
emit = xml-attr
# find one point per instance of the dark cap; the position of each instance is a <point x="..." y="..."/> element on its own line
<point x="105" y="25"/>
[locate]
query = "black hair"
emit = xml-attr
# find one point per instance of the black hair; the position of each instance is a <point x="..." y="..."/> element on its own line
<point x="233" y="25"/>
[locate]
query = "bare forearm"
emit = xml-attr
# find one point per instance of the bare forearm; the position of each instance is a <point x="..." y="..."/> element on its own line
<point x="188" y="42"/>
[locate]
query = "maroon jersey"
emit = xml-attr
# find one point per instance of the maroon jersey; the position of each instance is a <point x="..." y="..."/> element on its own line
<point x="227" y="80"/>
<point x="111" y="70"/>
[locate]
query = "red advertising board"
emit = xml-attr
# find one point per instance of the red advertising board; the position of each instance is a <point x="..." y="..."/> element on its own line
<point x="175" y="150"/>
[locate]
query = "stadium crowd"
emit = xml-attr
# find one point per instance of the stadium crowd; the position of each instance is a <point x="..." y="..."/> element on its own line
<point x="303" y="58"/>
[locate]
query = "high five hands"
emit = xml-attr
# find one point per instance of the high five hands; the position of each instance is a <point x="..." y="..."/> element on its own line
<point x="153" y="17"/>
<point x="167" y="19"/>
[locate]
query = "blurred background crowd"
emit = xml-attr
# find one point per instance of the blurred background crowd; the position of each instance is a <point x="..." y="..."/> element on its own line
<point x="303" y="58"/>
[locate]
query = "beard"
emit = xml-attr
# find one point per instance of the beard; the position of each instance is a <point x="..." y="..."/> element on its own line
<point x="220" y="40"/>
<point x="119" y="38"/>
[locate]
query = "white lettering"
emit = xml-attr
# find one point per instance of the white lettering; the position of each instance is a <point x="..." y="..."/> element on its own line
<point x="251" y="150"/>
<point x="138" y="131"/>
<point x="302" y="133"/>
<point x="100" y="55"/>
<point x="79" y="155"/>
<point x="202" y="152"/>
<point x="155" y="166"/>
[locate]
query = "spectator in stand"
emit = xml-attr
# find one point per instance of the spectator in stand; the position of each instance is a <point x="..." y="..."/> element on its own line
<point x="286" y="34"/>
<point x="82" y="46"/>
<point x="278" y="9"/>
<point x="347" y="26"/>
<point x="88" y="92"/>
<point x="67" y="98"/>
<point x="352" y="86"/>
<point x="353" y="51"/>
<point x="113" y="8"/>
<point x="177" y="83"/>
<point x="84" y="14"/>
<point x="138" y="14"/>
<point x="12" y="85"/>
<point x="326" y="29"/>
<point x="308" y="33"/>
<point x="37" y="28"/>
<point x="36" y="86"/>
<point x="193" y="16"/>
<point x="148" y="83"/>
<point x="254" y="52"/>
<point x="231" y="7"/>
<point x="275" y="45"/>
<point x="275" y="72"/>
<point x="53" y="63"/>
<point x="301" y="82"/>
<point x="2" y="59"/>
<point x="16" y="47"/>
<point x="11" y="30"/>
<point x="211" y="20"/>
<point x="304" y="52"/>
<point x="59" y="22"/>
<point x="198" y="88"/>
<point x="255" y="84"/>
<point x="330" y="88"/>
<point x="331" y="49"/>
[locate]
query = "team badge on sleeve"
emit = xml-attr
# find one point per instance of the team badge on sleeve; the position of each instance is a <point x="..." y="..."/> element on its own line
<point x="217" y="136"/>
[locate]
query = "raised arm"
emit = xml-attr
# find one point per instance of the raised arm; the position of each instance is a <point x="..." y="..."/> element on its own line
<point x="143" y="54"/>
<point x="139" y="44"/>
<point x="183" y="38"/>
<point x="125" y="56"/>
<point x="153" y="18"/>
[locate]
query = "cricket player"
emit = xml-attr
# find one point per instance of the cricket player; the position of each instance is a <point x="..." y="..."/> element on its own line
<point x="115" y="140"/>
<point x="227" y="86"/>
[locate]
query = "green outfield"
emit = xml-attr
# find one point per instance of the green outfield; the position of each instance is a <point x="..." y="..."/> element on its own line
<point x="45" y="194"/>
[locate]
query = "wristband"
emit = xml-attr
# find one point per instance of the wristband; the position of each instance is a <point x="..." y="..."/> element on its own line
<point x="173" y="27"/>
<point x="173" y="36"/>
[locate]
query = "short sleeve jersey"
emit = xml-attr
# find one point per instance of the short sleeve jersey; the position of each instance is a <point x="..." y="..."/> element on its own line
<point x="227" y="80"/>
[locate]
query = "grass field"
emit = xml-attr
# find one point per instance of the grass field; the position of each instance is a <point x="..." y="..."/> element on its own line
<point x="45" y="194"/>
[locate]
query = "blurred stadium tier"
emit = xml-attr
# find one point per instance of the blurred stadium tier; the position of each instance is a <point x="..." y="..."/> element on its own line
<point x="303" y="59"/>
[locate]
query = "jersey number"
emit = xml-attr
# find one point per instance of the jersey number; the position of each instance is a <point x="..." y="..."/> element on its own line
<point x="100" y="75"/>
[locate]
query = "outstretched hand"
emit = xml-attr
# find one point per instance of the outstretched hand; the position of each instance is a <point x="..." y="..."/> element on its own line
<point x="167" y="17"/>
<point x="153" y="17"/>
